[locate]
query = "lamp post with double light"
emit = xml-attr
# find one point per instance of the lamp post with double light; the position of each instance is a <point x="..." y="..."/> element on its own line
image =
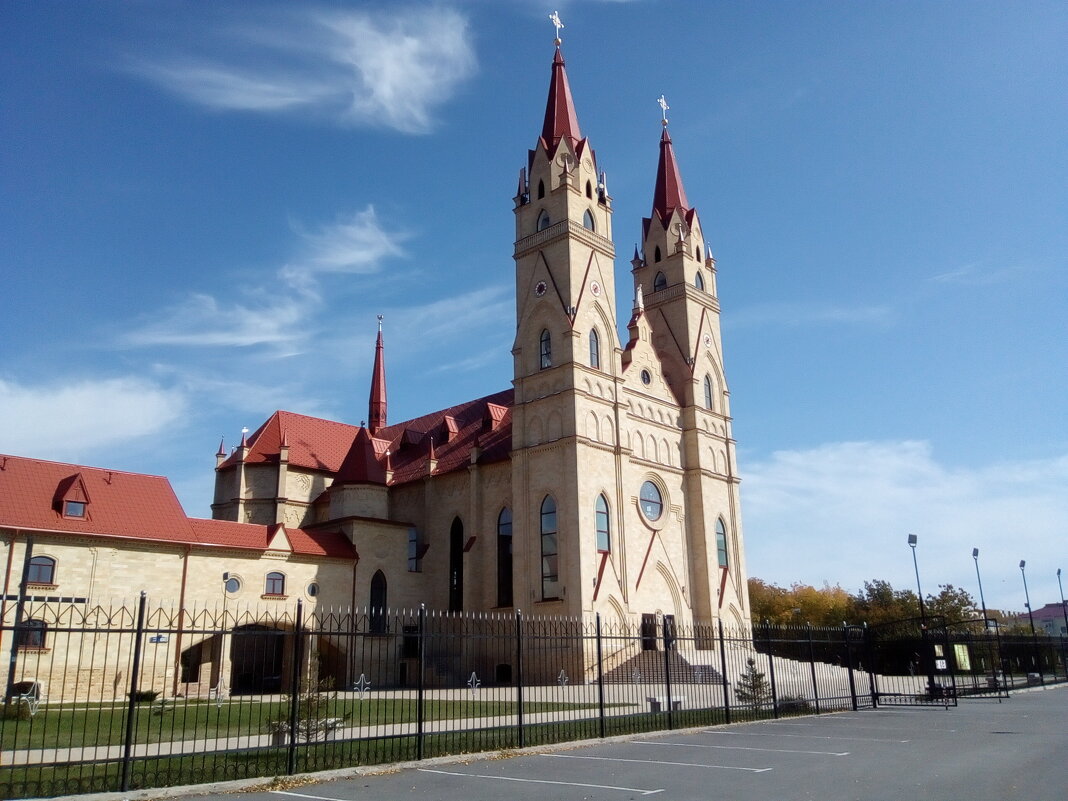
<point x="982" y="600"/>
<point x="1031" y="617"/>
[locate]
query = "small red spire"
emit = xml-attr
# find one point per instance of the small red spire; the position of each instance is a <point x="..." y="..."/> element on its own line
<point x="669" y="193"/>
<point x="376" y="407"/>
<point x="560" y="117"/>
<point x="285" y="439"/>
<point x="222" y="447"/>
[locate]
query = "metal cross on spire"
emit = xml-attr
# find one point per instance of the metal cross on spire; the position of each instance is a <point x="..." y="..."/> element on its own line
<point x="554" y="18"/>
<point x="380" y="323"/>
<point x="663" y="109"/>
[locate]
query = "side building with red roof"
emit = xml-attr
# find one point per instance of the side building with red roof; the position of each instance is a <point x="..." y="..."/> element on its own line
<point x="77" y="545"/>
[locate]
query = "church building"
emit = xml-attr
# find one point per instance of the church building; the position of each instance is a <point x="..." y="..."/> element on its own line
<point x="603" y="481"/>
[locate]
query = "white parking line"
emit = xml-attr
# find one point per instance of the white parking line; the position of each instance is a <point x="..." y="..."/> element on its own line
<point x="875" y="728"/>
<point x="532" y="781"/>
<point x="658" y="762"/>
<point x="806" y="736"/>
<point x="741" y="748"/>
<point x="304" y="795"/>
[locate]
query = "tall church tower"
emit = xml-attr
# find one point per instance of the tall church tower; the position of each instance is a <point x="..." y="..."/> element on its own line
<point x="566" y="357"/>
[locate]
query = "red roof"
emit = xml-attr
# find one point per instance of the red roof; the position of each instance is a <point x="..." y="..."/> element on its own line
<point x="361" y="465"/>
<point x="409" y="442"/>
<point x="117" y="504"/>
<point x="130" y="506"/>
<point x="228" y="534"/>
<point x="313" y="442"/>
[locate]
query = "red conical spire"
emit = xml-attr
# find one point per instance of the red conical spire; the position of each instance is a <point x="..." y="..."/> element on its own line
<point x="560" y="117"/>
<point x="376" y="406"/>
<point x="669" y="193"/>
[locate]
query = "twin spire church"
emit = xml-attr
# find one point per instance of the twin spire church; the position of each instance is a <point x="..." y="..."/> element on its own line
<point x="603" y="481"/>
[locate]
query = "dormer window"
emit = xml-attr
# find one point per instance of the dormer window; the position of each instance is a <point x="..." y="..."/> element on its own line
<point x="544" y="221"/>
<point x="587" y="221"/>
<point x="74" y="509"/>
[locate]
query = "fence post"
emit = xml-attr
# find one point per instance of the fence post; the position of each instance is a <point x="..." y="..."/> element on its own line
<point x="294" y="688"/>
<point x="131" y="706"/>
<point x="667" y="671"/>
<point x="869" y="655"/>
<point x="420" y="692"/>
<point x="519" y="675"/>
<point x="849" y="666"/>
<point x="723" y="671"/>
<point x="600" y="679"/>
<point x="771" y="670"/>
<point x="812" y="666"/>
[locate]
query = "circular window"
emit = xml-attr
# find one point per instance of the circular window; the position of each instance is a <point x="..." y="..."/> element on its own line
<point x="646" y="377"/>
<point x="313" y="590"/>
<point x="233" y="585"/>
<point x="652" y="502"/>
<point x="540" y="288"/>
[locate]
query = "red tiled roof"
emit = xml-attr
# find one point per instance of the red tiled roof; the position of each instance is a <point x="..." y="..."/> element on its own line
<point x="409" y="461"/>
<point x="314" y="443"/>
<point x="131" y="506"/>
<point x="228" y="534"/>
<point x="118" y="504"/>
<point x="361" y="465"/>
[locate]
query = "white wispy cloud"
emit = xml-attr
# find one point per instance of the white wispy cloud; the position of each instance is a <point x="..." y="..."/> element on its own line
<point x="386" y="68"/>
<point x="801" y="314"/>
<point x="842" y="512"/>
<point x="279" y="319"/>
<point x="68" y="421"/>
<point x="978" y="274"/>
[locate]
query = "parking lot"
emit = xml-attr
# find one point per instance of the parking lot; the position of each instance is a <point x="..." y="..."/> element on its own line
<point x="980" y="750"/>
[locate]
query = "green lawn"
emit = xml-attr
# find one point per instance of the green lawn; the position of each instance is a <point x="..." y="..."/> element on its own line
<point x="58" y="727"/>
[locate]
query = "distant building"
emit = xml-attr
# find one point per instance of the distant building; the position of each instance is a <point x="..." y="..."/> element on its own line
<point x="1050" y="618"/>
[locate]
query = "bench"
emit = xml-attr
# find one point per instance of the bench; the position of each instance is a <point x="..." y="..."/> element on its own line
<point x="658" y="703"/>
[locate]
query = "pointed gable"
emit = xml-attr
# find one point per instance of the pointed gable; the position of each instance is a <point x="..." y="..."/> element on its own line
<point x="71" y="498"/>
<point x="277" y="539"/>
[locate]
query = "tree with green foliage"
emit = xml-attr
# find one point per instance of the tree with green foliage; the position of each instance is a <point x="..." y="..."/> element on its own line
<point x="752" y="688"/>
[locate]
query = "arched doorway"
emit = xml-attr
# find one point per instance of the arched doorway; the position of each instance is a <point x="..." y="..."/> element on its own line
<point x="256" y="657"/>
<point x="456" y="566"/>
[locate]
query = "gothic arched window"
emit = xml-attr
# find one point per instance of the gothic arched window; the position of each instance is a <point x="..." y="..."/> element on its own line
<point x="378" y="601"/>
<point x="589" y="190"/>
<point x="595" y="349"/>
<point x="504" y="557"/>
<point x="545" y="349"/>
<point x="708" y="393"/>
<point x="699" y="281"/>
<point x="550" y="566"/>
<point x="541" y="189"/>
<point x="544" y="221"/>
<point x="604" y="526"/>
<point x="721" y="542"/>
<point x="660" y="282"/>
<point x="656" y="254"/>
<point x="587" y="221"/>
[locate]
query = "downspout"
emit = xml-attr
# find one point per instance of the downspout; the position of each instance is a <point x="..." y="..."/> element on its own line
<point x="181" y="623"/>
<point x="7" y="580"/>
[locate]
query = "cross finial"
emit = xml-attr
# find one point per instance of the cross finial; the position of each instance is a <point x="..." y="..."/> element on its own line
<point x="554" y="18"/>
<point x="380" y="323"/>
<point x="663" y="109"/>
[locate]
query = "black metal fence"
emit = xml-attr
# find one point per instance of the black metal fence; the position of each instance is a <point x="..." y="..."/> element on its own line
<point x="132" y="697"/>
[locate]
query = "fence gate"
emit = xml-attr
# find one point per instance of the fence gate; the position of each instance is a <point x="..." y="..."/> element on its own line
<point x="911" y="663"/>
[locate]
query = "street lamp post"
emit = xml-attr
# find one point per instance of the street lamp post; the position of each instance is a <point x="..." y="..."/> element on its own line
<point x="1031" y="617"/>
<point x="982" y="600"/>
<point x="916" y="566"/>
<point x="1064" y="607"/>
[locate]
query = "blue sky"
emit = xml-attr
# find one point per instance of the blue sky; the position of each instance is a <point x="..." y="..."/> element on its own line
<point x="203" y="207"/>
